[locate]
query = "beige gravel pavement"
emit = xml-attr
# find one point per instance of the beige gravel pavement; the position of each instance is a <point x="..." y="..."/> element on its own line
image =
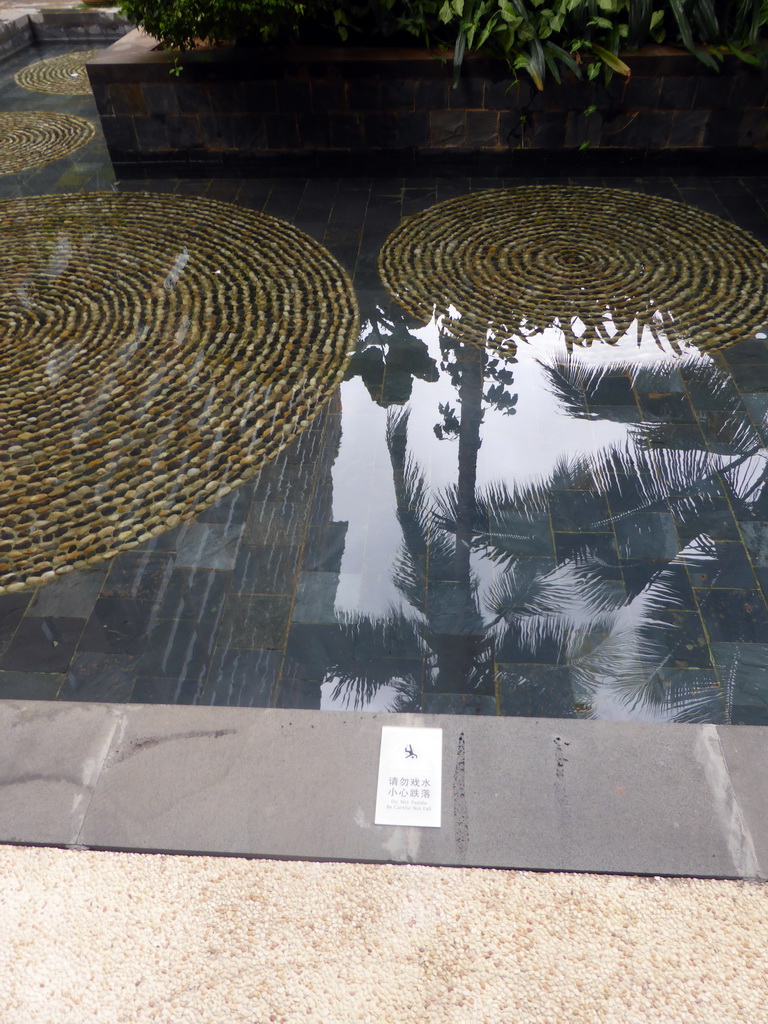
<point x="113" y="938"/>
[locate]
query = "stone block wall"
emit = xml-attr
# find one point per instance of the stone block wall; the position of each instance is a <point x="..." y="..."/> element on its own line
<point x="20" y="30"/>
<point x="15" y="33"/>
<point x="232" y="112"/>
<point x="73" y="25"/>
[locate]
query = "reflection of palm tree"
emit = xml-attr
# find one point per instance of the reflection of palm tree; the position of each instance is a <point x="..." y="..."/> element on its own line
<point x="456" y="663"/>
<point x="616" y="643"/>
<point x="389" y="357"/>
<point x="624" y="668"/>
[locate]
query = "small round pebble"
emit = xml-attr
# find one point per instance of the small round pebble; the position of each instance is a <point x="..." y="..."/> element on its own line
<point x="119" y="938"/>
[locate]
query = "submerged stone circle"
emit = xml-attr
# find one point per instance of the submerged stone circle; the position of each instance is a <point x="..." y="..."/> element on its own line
<point x="155" y="350"/>
<point x="32" y="138"/>
<point x="63" y="76"/>
<point x="512" y="262"/>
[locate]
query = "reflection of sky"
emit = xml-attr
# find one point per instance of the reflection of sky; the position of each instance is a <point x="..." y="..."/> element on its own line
<point x="522" y="447"/>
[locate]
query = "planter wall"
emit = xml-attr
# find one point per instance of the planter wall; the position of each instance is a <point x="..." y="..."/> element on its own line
<point x="19" y="29"/>
<point x="384" y="111"/>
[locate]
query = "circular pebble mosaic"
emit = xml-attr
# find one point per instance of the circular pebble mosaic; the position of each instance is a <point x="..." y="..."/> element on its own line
<point x="511" y="262"/>
<point x="31" y="138"/>
<point x="65" y="75"/>
<point x="154" y="352"/>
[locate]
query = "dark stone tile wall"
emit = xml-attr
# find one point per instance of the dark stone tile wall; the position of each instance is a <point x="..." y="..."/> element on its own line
<point x="233" y="112"/>
<point x="15" y="34"/>
<point x="73" y="25"/>
<point x="18" y="31"/>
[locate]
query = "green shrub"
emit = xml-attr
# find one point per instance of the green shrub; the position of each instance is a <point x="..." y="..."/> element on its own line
<point x="185" y="23"/>
<point x="540" y="37"/>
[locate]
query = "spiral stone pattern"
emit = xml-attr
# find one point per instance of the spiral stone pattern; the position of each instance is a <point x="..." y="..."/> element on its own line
<point x="32" y="138"/>
<point x="63" y="76"/>
<point x="509" y="263"/>
<point x="154" y="352"/>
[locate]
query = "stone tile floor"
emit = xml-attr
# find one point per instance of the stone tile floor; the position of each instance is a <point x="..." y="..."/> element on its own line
<point x="620" y="587"/>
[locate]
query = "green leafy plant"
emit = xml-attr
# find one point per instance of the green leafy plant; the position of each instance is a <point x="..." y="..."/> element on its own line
<point x="541" y="38"/>
<point x="182" y="24"/>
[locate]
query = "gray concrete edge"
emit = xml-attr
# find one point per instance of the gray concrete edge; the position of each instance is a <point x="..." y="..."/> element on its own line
<point x="565" y="795"/>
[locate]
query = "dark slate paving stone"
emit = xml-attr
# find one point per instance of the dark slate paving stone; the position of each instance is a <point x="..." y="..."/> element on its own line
<point x="457" y="704"/>
<point x="717" y="523"/>
<point x="723" y="564"/>
<point x="717" y="392"/>
<point x="757" y="407"/>
<point x="755" y="535"/>
<point x="305" y="450"/>
<point x="283" y="201"/>
<point x="628" y="495"/>
<point x="193" y="594"/>
<point x="244" y="679"/>
<point x="762" y="575"/>
<point x="450" y="609"/>
<point x="679" y="634"/>
<point x="743" y="672"/>
<point x="315" y="650"/>
<point x="727" y="433"/>
<point x="137" y="575"/>
<point x="695" y="695"/>
<point x="438" y="558"/>
<point x="29" y="685"/>
<point x="392" y="640"/>
<point x="682" y="436"/>
<point x="669" y="408"/>
<point x="458" y="662"/>
<point x="287" y="483"/>
<point x="573" y="511"/>
<point x="616" y="413"/>
<point x="647" y="381"/>
<point x="650" y="535"/>
<point x="751" y="377"/>
<point x="536" y="646"/>
<point x="224" y="189"/>
<point x="169" y="540"/>
<point x="73" y="595"/>
<point x="254" y="194"/>
<point x="229" y="511"/>
<point x="178" y="649"/>
<point x="670" y="581"/>
<point x="106" y="678"/>
<point x="276" y="522"/>
<point x="586" y="547"/>
<point x="209" y="546"/>
<point x="751" y="351"/>
<point x="301" y="694"/>
<point x="325" y="548"/>
<point x="524" y="534"/>
<point x="734" y="615"/>
<point x="269" y="569"/>
<point x="197" y="187"/>
<point x="254" y="622"/>
<point x="163" y="690"/>
<point x="316" y="597"/>
<point x="535" y="690"/>
<point x="117" y="626"/>
<point x="12" y="608"/>
<point x="612" y="390"/>
<point x="43" y="644"/>
<point x="383" y="684"/>
<point x="519" y="580"/>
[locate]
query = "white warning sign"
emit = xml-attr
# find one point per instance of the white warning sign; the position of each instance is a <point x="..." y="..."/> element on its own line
<point x="410" y="777"/>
